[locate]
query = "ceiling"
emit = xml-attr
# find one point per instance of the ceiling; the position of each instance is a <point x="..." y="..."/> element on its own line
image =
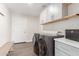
<point x="26" y="9"/>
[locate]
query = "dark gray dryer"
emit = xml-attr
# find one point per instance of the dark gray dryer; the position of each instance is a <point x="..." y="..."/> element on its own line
<point x="46" y="45"/>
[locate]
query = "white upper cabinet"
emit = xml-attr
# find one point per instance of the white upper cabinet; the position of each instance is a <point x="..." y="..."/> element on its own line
<point x="73" y="8"/>
<point x="52" y="12"/>
<point x="43" y="16"/>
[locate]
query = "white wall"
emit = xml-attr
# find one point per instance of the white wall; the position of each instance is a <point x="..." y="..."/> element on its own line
<point x="23" y="27"/>
<point x="5" y="25"/>
<point x="33" y="25"/>
<point x="73" y="23"/>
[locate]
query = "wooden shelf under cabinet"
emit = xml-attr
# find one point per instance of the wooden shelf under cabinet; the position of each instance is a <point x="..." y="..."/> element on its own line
<point x="61" y="19"/>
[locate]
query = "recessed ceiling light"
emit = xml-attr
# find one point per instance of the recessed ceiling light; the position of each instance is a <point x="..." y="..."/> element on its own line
<point x="30" y="4"/>
<point x="53" y="9"/>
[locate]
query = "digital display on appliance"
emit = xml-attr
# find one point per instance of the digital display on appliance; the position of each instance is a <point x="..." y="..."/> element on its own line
<point x="72" y="34"/>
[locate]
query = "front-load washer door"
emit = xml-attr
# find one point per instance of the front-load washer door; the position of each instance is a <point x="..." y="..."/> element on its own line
<point x="42" y="47"/>
<point x="36" y="48"/>
<point x="35" y="43"/>
<point x="35" y="38"/>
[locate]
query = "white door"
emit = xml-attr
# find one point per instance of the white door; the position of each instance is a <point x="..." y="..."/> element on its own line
<point x="19" y="28"/>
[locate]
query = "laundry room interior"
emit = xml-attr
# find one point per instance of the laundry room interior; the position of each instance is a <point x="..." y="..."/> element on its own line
<point x="39" y="29"/>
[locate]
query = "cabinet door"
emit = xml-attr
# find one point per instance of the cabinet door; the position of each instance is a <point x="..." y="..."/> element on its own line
<point x="69" y="50"/>
<point x="43" y="16"/>
<point x="58" y="52"/>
